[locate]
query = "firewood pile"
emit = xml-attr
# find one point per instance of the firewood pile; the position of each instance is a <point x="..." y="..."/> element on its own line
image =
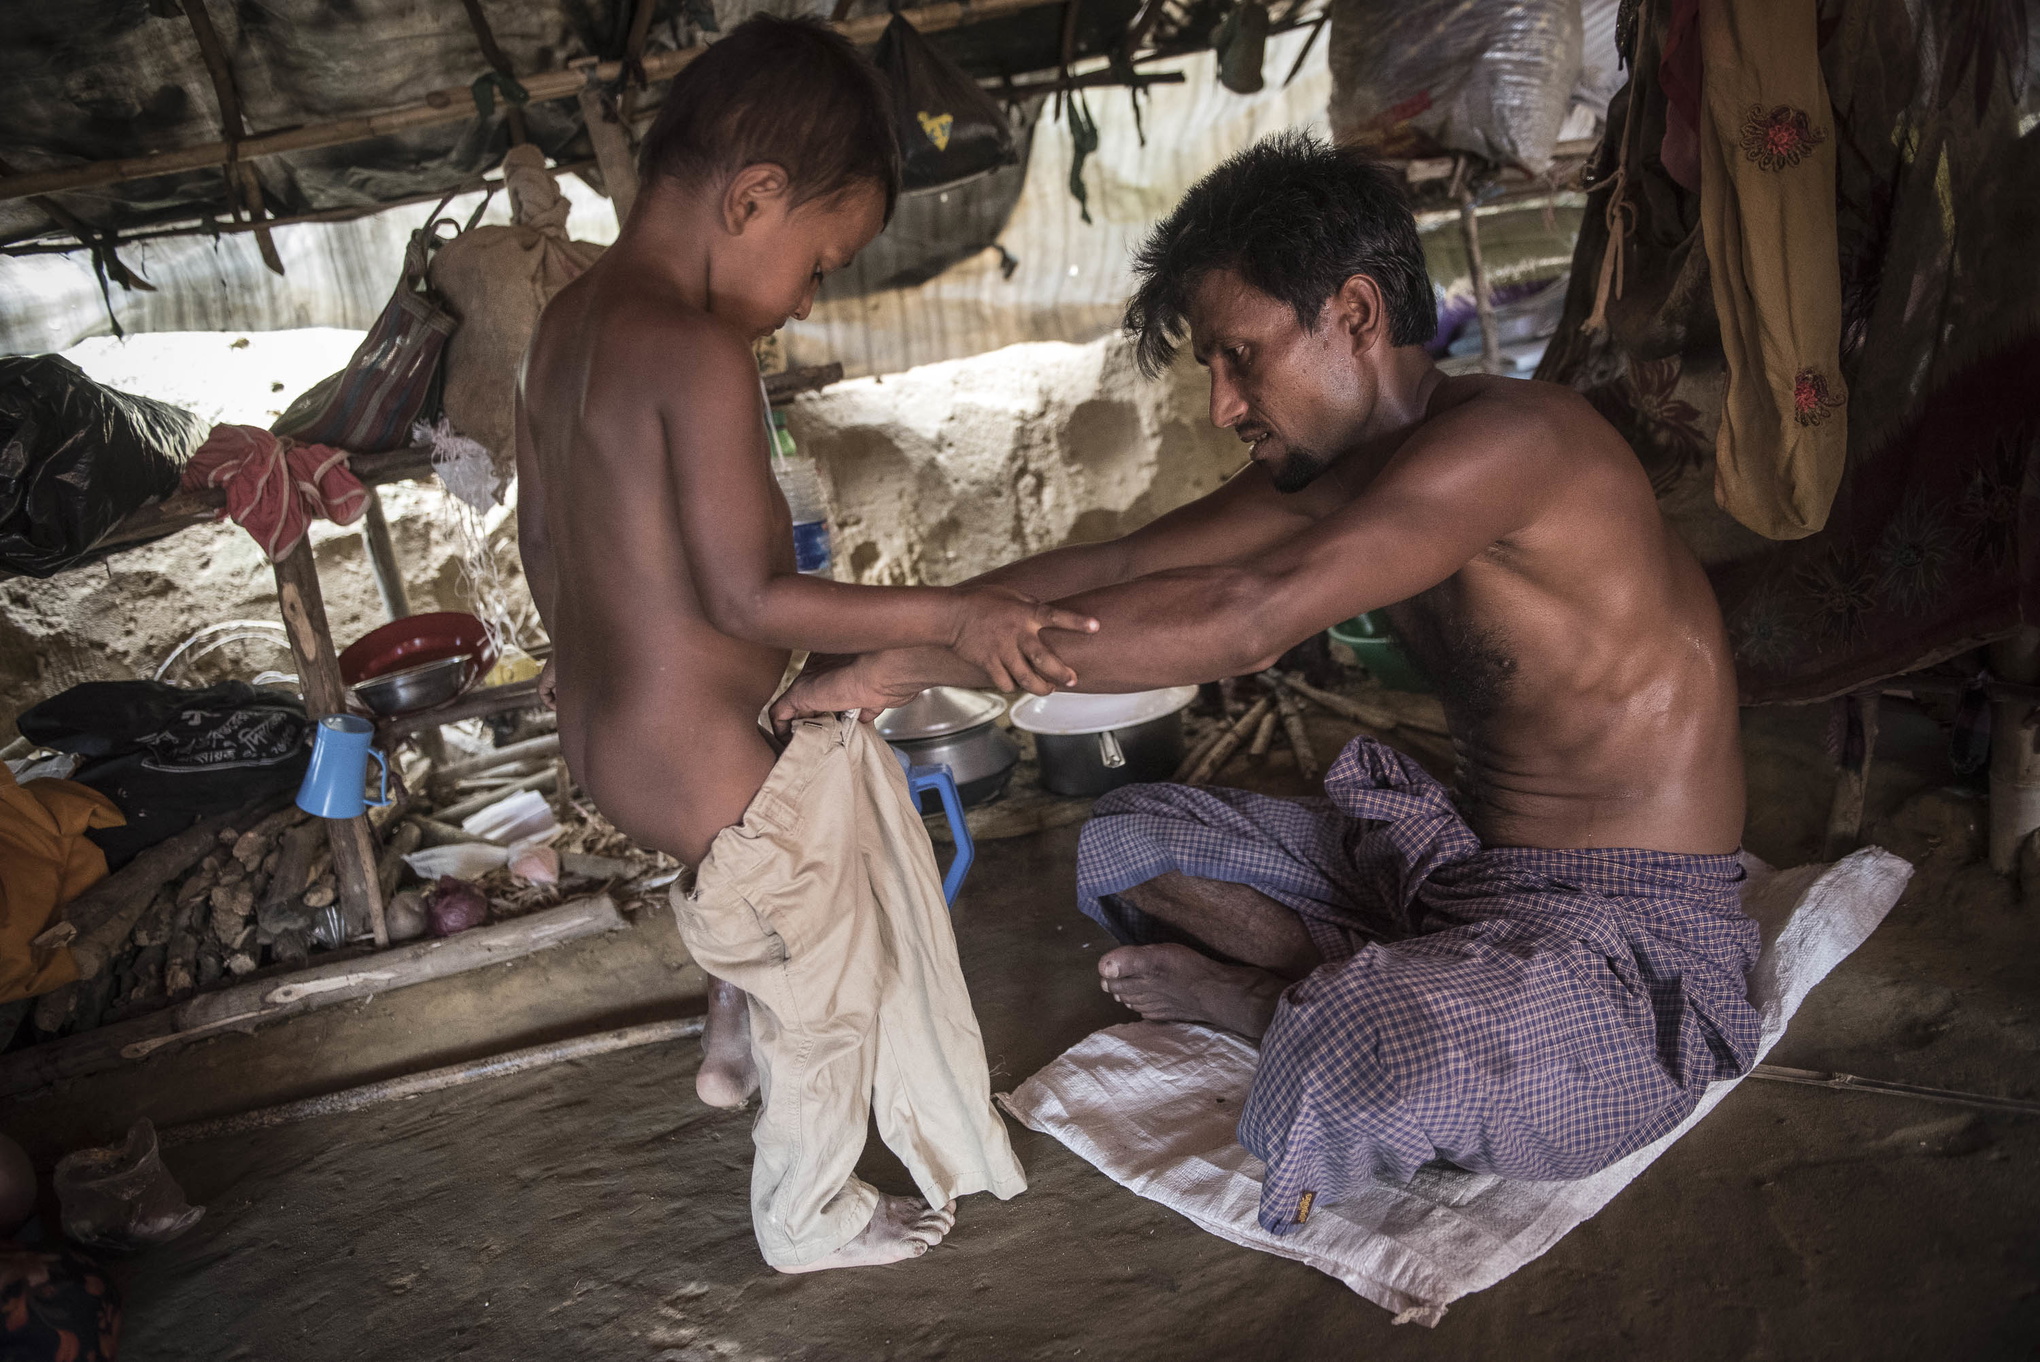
<point x="254" y="893"/>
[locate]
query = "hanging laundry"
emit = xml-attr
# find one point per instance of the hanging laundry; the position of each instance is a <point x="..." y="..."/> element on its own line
<point x="275" y="486"/>
<point x="1767" y="215"/>
<point x="46" y="860"/>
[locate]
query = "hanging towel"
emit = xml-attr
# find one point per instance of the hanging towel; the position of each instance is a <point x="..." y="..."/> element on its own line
<point x="275" y="486"/>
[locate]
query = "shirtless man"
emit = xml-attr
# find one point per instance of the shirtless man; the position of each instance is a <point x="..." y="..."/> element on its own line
<point x="660" y="554"/>
<point x="1533" y="975"/>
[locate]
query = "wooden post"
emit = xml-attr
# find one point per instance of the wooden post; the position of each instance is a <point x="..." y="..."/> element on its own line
<point x="1483" y="298"/>
<point x="1859" y="744"/>
<point x="304" y="618"/>
<point x="2014" y="764"/>
<point x="382" y="559"/>
<point x="612" y="143"/>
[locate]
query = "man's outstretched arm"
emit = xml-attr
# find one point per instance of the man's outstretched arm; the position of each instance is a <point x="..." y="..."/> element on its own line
<point x="1466" y="481"/>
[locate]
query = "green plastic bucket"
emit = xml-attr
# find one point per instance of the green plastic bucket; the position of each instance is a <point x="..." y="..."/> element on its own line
<point x="1377" y="649"/>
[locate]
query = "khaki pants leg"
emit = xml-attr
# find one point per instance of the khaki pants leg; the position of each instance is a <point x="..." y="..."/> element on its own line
<point x="805" y="906"/>
<point x="933" y="1092"/>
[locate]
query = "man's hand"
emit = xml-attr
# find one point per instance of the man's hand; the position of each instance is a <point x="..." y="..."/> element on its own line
<point x="832" y="685"/>
<point x="999" y="632"/>
<point x="549" y="685"/>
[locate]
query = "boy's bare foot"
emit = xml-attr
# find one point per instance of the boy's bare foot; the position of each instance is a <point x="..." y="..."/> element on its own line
<point x="727" y="1077"/>
<point x="1175" y="983"/>
<point x="900" y="1227"/>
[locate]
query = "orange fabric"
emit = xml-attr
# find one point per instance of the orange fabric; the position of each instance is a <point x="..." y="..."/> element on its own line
<point x="45" y="861"/>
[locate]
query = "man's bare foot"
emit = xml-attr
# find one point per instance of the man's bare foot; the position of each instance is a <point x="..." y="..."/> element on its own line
<point x="1175" y="983"/>
<point x="900" y="1227"/>
<point x="727" y="1077"/>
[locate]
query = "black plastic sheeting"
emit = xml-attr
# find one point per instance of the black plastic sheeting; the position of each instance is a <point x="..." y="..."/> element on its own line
<point x="76" y="458"/>
<point x="90" y="80"/>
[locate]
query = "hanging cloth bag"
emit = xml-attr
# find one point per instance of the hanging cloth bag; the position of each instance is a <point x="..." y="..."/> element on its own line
<point x="392" y="380"/>
<point x="496" y="280"/>
<point x="950" y="130"/>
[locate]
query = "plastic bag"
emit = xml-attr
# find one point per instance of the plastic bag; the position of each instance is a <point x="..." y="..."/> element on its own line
<point x="392" y="379"/>
<point x="169" y="756"/>
<point x="950" y="130"/>
<point x="76" y="458"/>
<point x="497" y="280"/>
<point x="122" y="1198"/>
<point x="1490" y="77"/>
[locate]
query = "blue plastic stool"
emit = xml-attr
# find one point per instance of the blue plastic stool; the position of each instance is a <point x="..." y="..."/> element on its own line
<point x="939" y="779"/>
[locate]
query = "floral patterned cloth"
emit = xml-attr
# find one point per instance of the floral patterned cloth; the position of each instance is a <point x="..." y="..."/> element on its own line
<point x="1929" y="545"/>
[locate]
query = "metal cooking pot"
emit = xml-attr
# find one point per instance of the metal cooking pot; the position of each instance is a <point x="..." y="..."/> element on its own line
<point x="953" y="727"/>
<point x="1088" y="744"/>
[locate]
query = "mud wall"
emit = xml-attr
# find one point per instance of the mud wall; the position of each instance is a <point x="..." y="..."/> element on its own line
<point x="949" y="469"/>
<point x="935" y="474"/>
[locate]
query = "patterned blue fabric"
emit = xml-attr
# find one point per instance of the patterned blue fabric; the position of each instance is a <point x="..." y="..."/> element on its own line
<point x="1531" y="1013"/>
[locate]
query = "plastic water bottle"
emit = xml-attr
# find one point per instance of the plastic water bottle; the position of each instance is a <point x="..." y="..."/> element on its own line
<point x="801" y="484"/>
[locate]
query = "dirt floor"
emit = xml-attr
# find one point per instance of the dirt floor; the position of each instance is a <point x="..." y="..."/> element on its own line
<point x="597" y="1210"/>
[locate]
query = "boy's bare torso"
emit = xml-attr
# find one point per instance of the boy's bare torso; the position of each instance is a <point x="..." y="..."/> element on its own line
<point x="657" y="709"/>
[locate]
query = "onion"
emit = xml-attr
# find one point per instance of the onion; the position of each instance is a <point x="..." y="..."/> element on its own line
<point x="454" y="906"/>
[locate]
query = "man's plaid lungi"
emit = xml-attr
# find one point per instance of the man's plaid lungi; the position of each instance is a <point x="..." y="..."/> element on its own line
<point x="1530" y="1013"/>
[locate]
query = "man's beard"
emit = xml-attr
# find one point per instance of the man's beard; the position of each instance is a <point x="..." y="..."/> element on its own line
<point x="1300" y="468"/>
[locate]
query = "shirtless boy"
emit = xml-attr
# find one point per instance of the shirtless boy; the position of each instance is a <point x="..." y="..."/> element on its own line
<point x="1532" y="975"/>
<point x="660" y="554"/>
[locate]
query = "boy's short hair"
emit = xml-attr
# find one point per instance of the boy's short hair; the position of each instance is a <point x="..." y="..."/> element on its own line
<point x="1296" y="218"/>
<point x="791" y="92"/>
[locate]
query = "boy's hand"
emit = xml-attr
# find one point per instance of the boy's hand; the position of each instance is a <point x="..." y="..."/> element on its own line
<point x="999" y="632"/>
<point x="549" y="685"/>
<point x="838" y="684"/>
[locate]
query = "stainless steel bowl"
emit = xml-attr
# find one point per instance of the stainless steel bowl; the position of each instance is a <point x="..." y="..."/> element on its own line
<point x="409" y="689"/>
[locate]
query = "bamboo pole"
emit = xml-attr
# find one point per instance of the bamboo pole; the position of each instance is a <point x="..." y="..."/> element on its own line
<point x="1337" y="704"/>
<point x="1264" y="736"/>
<point x="453" y="104"/>
<point x="436" y="1080"/>
<point x="1299" y="737"/>
<point x="303" y="607"/>
<point x="1222" y="750"/>
<point x="1483" y="298"/>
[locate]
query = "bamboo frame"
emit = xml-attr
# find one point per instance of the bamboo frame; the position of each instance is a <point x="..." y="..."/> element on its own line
<point x="451" y="105"/>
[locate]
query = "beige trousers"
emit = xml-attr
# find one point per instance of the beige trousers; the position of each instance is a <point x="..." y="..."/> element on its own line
<point x="825" y="907"/>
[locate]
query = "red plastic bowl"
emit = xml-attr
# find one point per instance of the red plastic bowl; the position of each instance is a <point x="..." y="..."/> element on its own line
<point x="418" y="639"/>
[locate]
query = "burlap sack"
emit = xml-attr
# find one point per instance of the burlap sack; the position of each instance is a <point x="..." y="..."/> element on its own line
<point x="497" y="280"/>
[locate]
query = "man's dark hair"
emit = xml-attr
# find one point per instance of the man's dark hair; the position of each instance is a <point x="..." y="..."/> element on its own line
<point x="791" y="92"/>
<point x="1296" y="218"/>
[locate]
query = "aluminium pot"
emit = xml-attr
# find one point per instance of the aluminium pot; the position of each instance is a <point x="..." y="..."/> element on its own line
<point x="1088" y="744"/>
<point x="953" y="727"/>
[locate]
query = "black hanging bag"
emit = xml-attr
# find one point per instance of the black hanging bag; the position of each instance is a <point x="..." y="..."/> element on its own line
<point x="950" y="130"/>
<point x="76" y="458"/>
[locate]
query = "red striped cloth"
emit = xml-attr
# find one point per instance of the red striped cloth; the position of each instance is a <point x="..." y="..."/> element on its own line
<point x="276" y="487"/>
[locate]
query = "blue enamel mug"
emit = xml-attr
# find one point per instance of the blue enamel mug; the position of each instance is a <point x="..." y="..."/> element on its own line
<point x="333" y="783"/>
